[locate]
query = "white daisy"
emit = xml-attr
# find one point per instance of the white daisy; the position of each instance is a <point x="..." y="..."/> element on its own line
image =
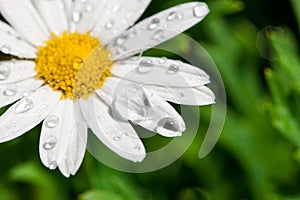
<point x="71" y="69"/>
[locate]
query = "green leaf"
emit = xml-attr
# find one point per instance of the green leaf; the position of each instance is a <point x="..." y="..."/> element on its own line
<point x="99" y="195"/>
<point x="296" y="7"/>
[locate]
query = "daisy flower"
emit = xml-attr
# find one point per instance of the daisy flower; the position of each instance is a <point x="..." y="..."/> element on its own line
<point x="72" y="68"/>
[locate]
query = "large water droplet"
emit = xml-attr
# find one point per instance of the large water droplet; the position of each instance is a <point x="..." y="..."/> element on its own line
<point x="146" y="62"/>
<point x="50" y="143"/>
<point x="4" y="72"/>
<point x="172" y="16"/>
<point x="145" y="66"/>
<point x="154" y="23"/>
<point x="162" y="60"/>
<point x="76" y="16"/>
<point x="5" y="49"/>
<point x="53" y="165"/>
<point x="167" y="124"/>
<point x="200" y="10"/>
<point x="10" y="91"/>
<point x="24" y="106"/>
<point x="173" y="69"/>
<point x="52" y="121"/>
<point x="158" y="35"/>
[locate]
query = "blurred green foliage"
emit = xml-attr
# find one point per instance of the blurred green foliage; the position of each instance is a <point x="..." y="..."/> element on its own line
<point x="258" y="155"/>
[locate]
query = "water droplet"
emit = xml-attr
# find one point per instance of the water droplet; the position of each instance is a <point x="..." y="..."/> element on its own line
<point x="10" y="91"/>
<point x="181" y="94"/>
<point x="117" y="138"/>
<point x="25" y="94"/>
<point x="154" y="23"/>
<point x="52" y="165"/>
<point x="162" y="60"/>
<point x="89" y="8"/>
<point x="4" y="72"/>
<point x="116" y="8"/>
<point x="50" y="143"/>
<point x="137" y="147"/>
<point x="109" y="24"/>
<point x="173" y="69"/>
<point x="172" y="16"/>
<point x="145" y="66"/>
<point x="5" y="49"/>
<point x="24" y="106"/>
<point x="77" y="62"/>
<point x="200" y="10"/>
<point x="121" y="39"/>
<point x="167" y="124"/>
<point x="52" y="121"/>
<point x="158" y="35"/>
<point x="76" y="16"/>
<point x="146" y="62"/>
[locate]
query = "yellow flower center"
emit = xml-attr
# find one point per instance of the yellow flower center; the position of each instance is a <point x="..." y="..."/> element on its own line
<point x="74" y="64"/>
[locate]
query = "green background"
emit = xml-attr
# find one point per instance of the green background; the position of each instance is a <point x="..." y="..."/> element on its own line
<point x="255" y="46"/>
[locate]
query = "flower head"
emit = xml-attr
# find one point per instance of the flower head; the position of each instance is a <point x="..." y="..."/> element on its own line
<point x="74" y="69"/>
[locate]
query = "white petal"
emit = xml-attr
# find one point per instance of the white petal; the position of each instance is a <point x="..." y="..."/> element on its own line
<point x="160" y="71"/>
<point x="85" y="14"/>
<point x="68" y="5"/>
<point x="16" y="70"/>
<point x="25" y="19"/>
<point x="196" y="96"/>
<point x="119" y="136"/>
<point x="77" y="145"/>
<point x="158" y="28"/>
<point x="11" y="43"/>
<point x="54" y="14"/>
<point x="134" y="102"/>
<point x="12" y="92"/>
<point x="163" y="119"/>
<point x="117" y="16"/>
<point x="63" y="139"/>
<point x="27" y="113"/>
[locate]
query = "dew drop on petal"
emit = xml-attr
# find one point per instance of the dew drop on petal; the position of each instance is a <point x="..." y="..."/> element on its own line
<point x="109" y="25"/>
<point x="158" y="35"/>
<point x="146" y="62"/>
<point x="5" y="49"/>
<point x="89" y="8"/>
<point x="53" y="165"/>
<point x="162" y="60"/>
<point x="145" y="66"/>
<point x="116" y="8"/>
<point x="172" y="16"/>
<point x="121" y="39"/>
<point x="10" y="91"/>
<point x="24" y="106"/>
<point x="50" y="143"/>
<point x="154" y="24"/>
<point x="117" y="138"/>
<point x="167" y="124"/>
<point x="200" y="10"/>
<point x="173" y="69"/>
<point x="4" y="72"/>
<point x="76" y="17"/>
<point x="52" y="121"/>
